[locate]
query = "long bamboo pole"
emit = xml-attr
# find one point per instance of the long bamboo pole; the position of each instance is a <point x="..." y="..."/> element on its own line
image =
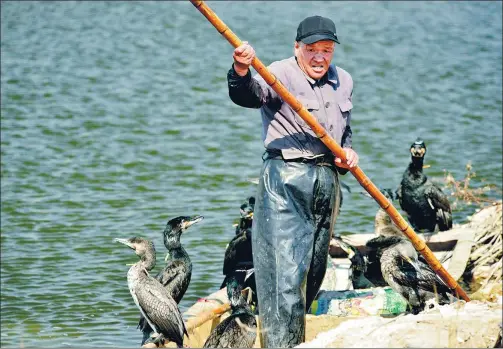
<point x="331" y="144"/>
<point x="195" y="322"/>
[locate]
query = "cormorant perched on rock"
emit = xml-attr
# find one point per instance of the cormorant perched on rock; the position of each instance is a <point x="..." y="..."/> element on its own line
<point x="239" y="330"/>
<point x="238" y="257"/>
<point x="422" y="200"/>
<point x="154" y="301"/>
<point x="175" y="276"/>
<point x="408" y="275"/>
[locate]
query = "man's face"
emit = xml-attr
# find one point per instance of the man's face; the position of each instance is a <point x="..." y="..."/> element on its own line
<point x="315" y="58"/>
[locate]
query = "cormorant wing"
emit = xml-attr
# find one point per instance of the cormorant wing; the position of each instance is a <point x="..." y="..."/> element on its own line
<point x="439" y="200"/>
<point x="398" y="194"/>
<point x="429" y="274"/>
<point x="408" y="275"/>
<point x="245" y="326"/>
<point x="426" y="280"/>
<point x="231" y="253"/>
<point x="380" y="242"/>
<point x="170" y="271"/>
<point x="215" y="337"/>
<point x="233" y="332"/>
<point x="161" y="310"/>
<point x="440" y="204"/>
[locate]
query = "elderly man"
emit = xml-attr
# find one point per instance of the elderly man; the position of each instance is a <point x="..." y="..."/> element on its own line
<point x="298" y="194"/>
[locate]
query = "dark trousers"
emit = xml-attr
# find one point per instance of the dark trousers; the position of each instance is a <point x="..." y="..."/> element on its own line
<point x="295" y="212"/>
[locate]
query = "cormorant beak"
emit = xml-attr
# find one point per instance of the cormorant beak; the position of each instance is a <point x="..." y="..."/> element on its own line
<point x="245" y="215"/>
<point x="350" y="253"/>
<point x="125" y="242"/>
<point x="247" y="294"/>
<point x="417" y="152"/>
<point x="411" y="262"/>
<point x="191" y="221"/>
<point x="345" y="247"/>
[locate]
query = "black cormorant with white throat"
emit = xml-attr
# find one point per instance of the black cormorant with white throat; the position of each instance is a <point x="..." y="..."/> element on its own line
<point x="238" y="257"/>
<point x="178" y="269"/>
<point x="422" y="200"/>
<point x="177" y="272"/>
<point x="154" y="301"/>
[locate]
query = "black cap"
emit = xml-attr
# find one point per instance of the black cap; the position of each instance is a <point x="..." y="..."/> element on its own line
<point x="316" y="28"/>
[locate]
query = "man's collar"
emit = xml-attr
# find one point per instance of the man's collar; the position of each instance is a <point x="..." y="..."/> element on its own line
<point x="333" y="77"/>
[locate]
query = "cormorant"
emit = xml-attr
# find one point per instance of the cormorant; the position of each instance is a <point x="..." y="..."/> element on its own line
<point x="407" y="274"/>
<point x="239" y="330"/>
<point x="238" y="257"/>
<point x="175" y="276"/>
<point x="365" y="270"/>
<point x="246" y="212"/>
<point x="154" y="301"/>
<point x="422" y="200"/>
<point x="178" y="269"/>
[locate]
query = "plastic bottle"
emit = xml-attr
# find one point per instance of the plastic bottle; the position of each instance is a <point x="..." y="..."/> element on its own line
<point x="367" y="302"/>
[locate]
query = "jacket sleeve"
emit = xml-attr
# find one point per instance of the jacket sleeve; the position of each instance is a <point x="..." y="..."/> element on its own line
<point x="249" y="92"/>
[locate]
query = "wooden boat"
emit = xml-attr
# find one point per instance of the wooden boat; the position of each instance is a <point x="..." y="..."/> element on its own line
<point x="203" y="316"/>
<point x="458" y="241"/>
<point x="213" y="310"/>
<point x="444" y="241"/>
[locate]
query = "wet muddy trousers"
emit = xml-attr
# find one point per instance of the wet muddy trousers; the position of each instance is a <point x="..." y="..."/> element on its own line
<point x="295" y="210"/>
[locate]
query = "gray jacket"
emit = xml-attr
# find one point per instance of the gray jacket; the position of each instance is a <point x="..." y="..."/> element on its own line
<point x="328" y="99"/>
